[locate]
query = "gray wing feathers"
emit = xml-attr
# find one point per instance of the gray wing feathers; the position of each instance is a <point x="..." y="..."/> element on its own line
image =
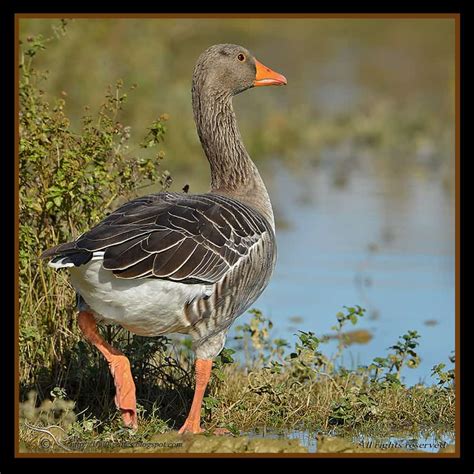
<point x="173" y="236"/>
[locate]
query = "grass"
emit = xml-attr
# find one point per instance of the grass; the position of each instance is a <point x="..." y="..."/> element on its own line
<point x="286" y="389"/>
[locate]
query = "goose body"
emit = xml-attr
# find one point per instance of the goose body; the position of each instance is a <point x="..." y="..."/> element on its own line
<point x="147" y="307"/>
<point x="173" y="263"/>
<point x="178" y="263"/>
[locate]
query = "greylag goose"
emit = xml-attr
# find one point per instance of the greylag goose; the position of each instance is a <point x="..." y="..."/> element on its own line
<point x="180" y="263"/>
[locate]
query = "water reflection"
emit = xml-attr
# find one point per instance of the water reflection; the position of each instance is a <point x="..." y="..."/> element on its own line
<point x="314" y="442"/>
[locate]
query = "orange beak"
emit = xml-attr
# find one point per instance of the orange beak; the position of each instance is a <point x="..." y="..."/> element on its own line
<point x="266" y="77"/>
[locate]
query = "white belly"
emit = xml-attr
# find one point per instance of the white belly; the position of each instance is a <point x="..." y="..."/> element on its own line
<point x="148" y="306"/>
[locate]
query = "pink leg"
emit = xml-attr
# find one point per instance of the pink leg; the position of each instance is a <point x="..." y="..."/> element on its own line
<point x="193" y="421"/>
<point x="119" y="367"/>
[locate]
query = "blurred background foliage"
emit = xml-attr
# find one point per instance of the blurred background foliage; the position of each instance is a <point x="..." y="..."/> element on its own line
<point x="378" y="87"/>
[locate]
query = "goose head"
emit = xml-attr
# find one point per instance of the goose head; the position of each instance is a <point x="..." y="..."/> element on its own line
<point x="225" y="70"/>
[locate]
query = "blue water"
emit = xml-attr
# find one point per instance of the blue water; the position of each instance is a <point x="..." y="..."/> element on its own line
<point x="324" y="261"/>
<point x="432" y="443"/>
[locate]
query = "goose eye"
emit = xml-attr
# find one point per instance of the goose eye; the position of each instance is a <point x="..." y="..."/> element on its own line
<point x="241" y="57"/>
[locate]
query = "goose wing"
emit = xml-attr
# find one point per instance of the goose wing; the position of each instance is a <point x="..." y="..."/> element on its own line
<point x="195" y="238"/>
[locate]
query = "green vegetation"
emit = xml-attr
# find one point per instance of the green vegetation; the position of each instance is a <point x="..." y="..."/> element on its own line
<point x="68" y="181"/>
<point x="72" y="175"/>
<point x="299" y="390"/>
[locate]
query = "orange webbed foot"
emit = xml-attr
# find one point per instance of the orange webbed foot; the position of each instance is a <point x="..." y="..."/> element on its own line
<point x="191" y="426"/>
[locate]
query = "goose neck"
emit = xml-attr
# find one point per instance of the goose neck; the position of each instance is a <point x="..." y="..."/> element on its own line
<point x="233" y="172"/>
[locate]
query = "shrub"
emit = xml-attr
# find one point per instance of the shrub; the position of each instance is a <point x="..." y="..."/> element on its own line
<point x="69" y="180"/>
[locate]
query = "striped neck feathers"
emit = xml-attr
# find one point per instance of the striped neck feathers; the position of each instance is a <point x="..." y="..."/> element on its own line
<point x="233" y="172"/>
